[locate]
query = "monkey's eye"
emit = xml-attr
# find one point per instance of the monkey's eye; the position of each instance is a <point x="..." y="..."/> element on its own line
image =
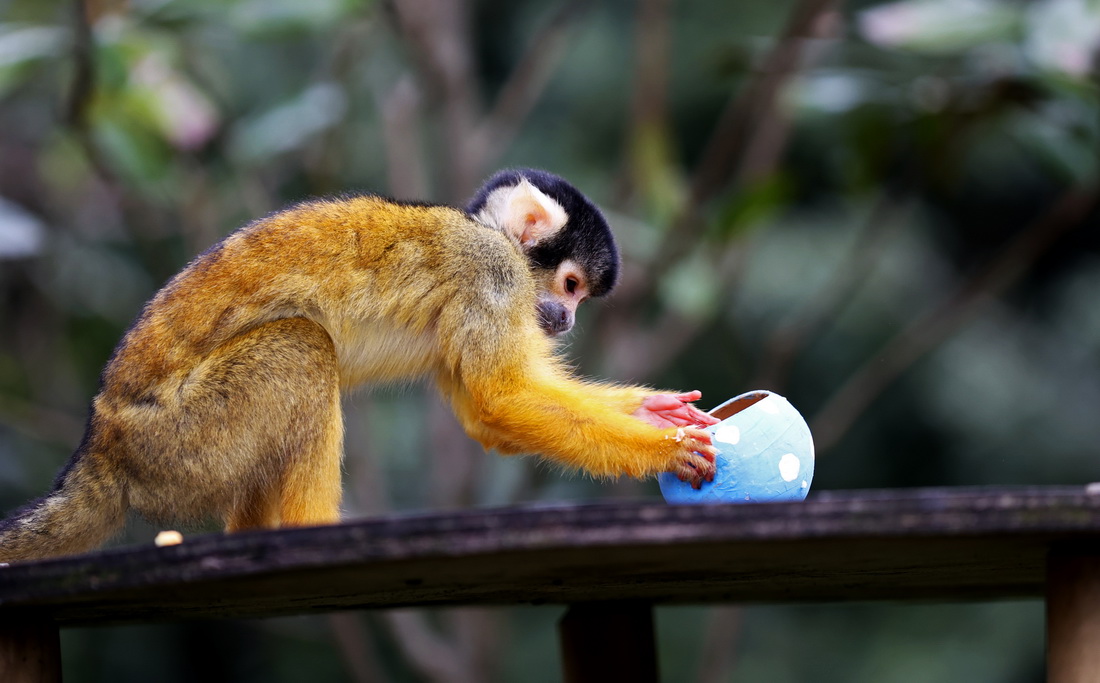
<point x="571" y="285"/>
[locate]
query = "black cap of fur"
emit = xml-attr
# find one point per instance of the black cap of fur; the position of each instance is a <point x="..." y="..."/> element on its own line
<point x="586" y="237"/>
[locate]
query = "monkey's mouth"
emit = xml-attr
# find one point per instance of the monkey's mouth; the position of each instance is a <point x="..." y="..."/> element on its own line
<point x="554" y="319"/>
<point x="555" y="329"/>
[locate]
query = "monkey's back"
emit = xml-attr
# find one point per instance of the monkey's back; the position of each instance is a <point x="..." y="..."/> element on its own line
<point x="378" y="275"/>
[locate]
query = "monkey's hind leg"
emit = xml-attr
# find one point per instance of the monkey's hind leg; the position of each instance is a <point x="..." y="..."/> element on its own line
<point x="264" y="427"/>
<point x="257" y="509"/>
<point x="311" y="486"/>
<point x="305" y="487"/>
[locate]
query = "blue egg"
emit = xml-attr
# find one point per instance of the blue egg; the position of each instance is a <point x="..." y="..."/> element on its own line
<point x="766" y="454"/>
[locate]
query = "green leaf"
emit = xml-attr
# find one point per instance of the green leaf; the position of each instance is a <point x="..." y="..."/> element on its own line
<point x="292" y="124"/>
<point x="22" y="46"/>
<point x="939" y="26"/>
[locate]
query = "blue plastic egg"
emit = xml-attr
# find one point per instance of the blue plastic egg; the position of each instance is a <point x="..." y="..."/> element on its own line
<point x="766" y="454"/>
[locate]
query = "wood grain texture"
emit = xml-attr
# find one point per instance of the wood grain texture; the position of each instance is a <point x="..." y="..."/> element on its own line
<point x="869" y="545"/>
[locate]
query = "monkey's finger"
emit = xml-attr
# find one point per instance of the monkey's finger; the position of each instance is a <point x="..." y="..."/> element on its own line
<point x="657" y="419"/>
<point x="700" y="438"/>
<point x="695" y="471"/>
<point x="661" y="402"/>
<point x="688" y="473"/>
<point x="690" y="396"/>
<point x="692" y="413"/>
<point x="699" y="417"/>
<point x="710" y="471"/>
<point x="706" y="467"/>
<point x="685" y="472"/>
<point x="682" y="416"/>
<point x="702" y="460"/>
<point x="666" y="410"/>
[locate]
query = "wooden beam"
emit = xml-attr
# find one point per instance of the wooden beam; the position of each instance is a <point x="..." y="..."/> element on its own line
<point x="30" y="652"/>
<point x="937" y="544"/>
<point x="608" y="641"/>
<point x="1073" y="618"/>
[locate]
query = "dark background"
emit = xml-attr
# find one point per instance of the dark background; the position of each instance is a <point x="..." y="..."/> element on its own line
<point x="885" y="212"/>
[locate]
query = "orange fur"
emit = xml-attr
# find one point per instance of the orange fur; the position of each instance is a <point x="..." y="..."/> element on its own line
<point x="223" y="399"/>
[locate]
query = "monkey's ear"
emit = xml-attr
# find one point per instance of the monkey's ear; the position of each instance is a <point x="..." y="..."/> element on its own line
<point x="523" y="211"/>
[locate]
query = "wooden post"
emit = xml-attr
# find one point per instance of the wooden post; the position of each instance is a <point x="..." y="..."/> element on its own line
<point x="1073" y="618"/>
<point x="30" y="652"/>
<point x="608" y="641"/>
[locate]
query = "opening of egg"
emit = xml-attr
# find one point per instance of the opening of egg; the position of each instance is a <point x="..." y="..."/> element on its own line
<point x="733" y="407"/>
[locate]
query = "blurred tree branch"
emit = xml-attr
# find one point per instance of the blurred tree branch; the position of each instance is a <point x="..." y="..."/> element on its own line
<point x="139" y="218"/>
<point x="436" y="658"/>
<point x="83" y="84"/>
<point x="401" y="119"/>
<point x="357" y="647"/>
<point x="788" y="339"/>
<point x="750" y="114"/>
<point x="652" y="55"/>
<point x="325" y="161"/>
<point x="753" y="108"/>
<point x="524" y="85"/>
<point x="82" y="91"/>
<point x="43" y="423"/>
<point x="731" y="151"/>
<point x="437" y="34"/>
<point x="723" y="633"/>
<point x="927" y="331"/>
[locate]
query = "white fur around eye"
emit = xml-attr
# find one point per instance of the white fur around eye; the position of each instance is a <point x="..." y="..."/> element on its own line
<point x="569" y="270"/>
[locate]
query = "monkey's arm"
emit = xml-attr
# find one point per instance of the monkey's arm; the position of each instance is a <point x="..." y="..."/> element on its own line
<point x="658" y="408"/>
<point x="512" y="393"/>
<point x="537" y="407"/>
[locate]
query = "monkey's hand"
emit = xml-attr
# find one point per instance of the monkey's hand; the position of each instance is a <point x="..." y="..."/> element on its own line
<point x="674" y="410"/>
<point x="695" y="461"/>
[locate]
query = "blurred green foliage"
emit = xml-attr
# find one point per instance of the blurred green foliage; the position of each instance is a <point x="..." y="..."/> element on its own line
<point x="885" y="211"/>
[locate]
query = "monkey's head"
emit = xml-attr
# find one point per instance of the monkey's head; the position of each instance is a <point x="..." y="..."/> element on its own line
<point x="566" y="239"/>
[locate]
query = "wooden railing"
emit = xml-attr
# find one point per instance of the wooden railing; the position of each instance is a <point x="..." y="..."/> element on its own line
<point x="611" y="563"/>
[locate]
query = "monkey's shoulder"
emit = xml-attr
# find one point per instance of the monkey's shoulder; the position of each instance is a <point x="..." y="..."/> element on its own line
<point x="325" y="223"/>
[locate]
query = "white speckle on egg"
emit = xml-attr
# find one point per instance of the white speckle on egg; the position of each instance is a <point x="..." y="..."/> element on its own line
<point x="789" y="467"/>
<point x="805" y="484"/>
<point x="727" y="433"/>
<point x="770" y="405"/>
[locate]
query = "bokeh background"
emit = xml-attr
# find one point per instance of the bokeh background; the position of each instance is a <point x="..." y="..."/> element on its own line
<point x="885" y="211"/>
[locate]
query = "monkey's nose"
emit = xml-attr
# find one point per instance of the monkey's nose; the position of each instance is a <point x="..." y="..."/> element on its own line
<point x="554" y="318"/>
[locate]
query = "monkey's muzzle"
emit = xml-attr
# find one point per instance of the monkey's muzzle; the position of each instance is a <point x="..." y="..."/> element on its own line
<point x="554" y="318"/>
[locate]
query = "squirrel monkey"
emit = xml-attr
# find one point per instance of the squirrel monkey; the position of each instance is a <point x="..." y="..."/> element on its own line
<point x="223" y="398"/>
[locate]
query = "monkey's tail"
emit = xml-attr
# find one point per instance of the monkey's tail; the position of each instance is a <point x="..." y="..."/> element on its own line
<point x="85" y="509"/>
